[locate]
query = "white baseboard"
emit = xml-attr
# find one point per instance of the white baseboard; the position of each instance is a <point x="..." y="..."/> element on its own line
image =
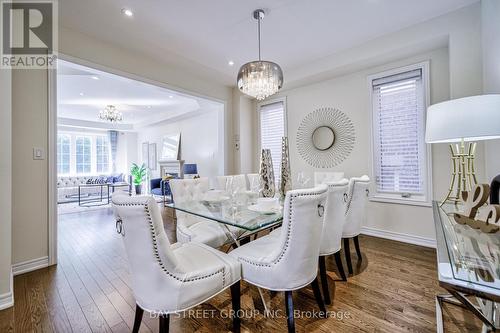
<point x="30" y="265"/>
<point x="405" y="238"/>
<point x="7" y="299"/>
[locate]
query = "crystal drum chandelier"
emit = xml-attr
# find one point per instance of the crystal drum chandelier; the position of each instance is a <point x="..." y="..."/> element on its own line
<point x="260" y="79"/>
<point x="111" y="114"/>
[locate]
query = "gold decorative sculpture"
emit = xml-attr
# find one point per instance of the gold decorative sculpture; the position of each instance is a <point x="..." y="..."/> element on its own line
<point x="485" y="219"/>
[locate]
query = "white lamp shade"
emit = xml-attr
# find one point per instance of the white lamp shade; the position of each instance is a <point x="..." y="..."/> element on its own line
<point x="472" y="118"/>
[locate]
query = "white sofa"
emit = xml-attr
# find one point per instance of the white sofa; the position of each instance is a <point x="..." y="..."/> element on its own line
<point x="67" y="187"/>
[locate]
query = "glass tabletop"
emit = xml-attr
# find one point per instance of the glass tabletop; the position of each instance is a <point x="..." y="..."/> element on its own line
<point x="467" y="255"/>
<point x="230" y="213"/>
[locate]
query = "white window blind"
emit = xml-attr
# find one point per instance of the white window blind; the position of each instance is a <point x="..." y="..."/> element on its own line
<point x="272" y="130"/>
<point x="398" y="129"/>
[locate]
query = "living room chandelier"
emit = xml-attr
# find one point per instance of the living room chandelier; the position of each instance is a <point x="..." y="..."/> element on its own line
<point x="260" y="79"/>
<point x="111" y="114"/>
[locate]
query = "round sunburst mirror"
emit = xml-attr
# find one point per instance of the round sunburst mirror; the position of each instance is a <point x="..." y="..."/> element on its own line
<point x="325" y="137"/>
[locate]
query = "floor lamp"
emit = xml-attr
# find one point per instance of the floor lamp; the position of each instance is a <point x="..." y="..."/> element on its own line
<point x="461" y="122"/>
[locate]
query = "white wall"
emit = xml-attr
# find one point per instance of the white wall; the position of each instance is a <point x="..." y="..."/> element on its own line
<point x="490" y="28"/>
<point x="6" y="192"/>
<point x="30" y="128"/>
<point x="200" y="142"/>
<point x="243" y="124"/>
<point x="452" y="43"/>
<point x="126" y="151"/>
<point x="349" y="93"/>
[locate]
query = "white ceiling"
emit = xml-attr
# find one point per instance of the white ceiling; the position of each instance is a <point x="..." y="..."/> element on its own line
<point x="82" y="92"/>
<point x="210" y="33"/>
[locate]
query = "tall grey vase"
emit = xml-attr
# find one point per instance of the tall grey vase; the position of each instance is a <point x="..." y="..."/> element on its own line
<point x="286" y="179"/>
<point x="266" y="174"/>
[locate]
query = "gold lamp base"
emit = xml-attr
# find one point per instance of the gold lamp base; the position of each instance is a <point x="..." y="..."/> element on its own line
<point x="463" y="176"/>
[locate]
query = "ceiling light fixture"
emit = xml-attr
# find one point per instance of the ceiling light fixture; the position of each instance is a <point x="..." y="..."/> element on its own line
<point x="127" y="12"/>
<point x="95" y="77"/>
<point x="260" y="79"/>
<point x="230" y="63"/>
<point x="170" y="96"/>
<point x="111" y="114"/>
<point x="81" y="94"/>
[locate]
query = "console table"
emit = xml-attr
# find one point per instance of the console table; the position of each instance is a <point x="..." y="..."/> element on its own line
<point x="468" y="267"/>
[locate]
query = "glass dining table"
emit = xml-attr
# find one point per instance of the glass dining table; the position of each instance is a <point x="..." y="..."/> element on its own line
<point x="468" y="262"/>
<point x="235" y="216"/>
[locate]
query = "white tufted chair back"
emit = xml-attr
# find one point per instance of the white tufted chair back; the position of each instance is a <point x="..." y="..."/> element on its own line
<point x="239" y="182"/>
<point x="188" y="189"/>
<point x="336" y="203"/>
<point x="295" y="260"/>
<point x="321" y="177"/>
<point x="153" y="266"/>
<point x="355" y="215"/>
<point x="167" y="278"/>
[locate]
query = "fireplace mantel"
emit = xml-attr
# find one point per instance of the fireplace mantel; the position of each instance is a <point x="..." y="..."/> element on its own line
<point x="171" y="166"/>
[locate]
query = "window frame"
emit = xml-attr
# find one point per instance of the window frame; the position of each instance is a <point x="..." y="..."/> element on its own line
<point x="415" y="200"/>
<point x="93" y="136"/>
<point x="65" y="135"/>
<point x="107" y="146"/>
<point x="285" y="116"/>
<point x="91" y="154"/>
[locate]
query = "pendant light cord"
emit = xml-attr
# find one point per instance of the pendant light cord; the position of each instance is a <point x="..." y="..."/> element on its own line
<point x="259" y="35"/>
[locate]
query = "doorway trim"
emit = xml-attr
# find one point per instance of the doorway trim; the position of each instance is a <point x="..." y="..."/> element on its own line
<point x="52" y="137"/>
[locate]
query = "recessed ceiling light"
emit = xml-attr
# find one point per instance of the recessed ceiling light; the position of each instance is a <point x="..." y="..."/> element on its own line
<point x="95" y="77"/>
<point x="170" y="96"/>
<point x="149" y="106"/>
<point x="81" y="94"/>
<point x="127" y="12"/>
<point x="230" y="63"/>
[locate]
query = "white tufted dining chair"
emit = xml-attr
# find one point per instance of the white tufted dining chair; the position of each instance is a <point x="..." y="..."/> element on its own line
<point x="191" y="228"/>
<point x="331" y="236"/>
<point x="289" y="261"/>
<point x="169" y="278"/>
<point x="321" y="177"/>
<point x="355" y="215"/>
<point x="239" y="182"/>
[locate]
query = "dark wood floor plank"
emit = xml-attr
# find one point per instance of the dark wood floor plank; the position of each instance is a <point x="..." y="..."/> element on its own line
<point x="392" y="290"/>
<point x="57" y="313"/>
<point x="22" y="315"/>
<point x="7" y="320"/>
<point x="38" y="307"/>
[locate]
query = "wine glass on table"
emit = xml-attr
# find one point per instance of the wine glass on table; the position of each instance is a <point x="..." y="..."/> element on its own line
<point x="303" y="180"/>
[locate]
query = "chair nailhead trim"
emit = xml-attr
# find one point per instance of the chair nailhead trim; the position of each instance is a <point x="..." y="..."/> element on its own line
<point x="157" y="254"/>
<point x="287" y="242"/>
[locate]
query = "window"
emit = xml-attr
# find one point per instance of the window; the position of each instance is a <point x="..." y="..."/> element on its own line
<point x="63" y="154"/>
<point x="83" y="154"/>
<point x="400" y="156"/>
<point x="102" y="154"/>
<point x="272" y="130"/>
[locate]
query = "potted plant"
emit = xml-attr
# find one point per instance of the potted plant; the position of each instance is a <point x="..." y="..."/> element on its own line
<point x="138" y="175"/>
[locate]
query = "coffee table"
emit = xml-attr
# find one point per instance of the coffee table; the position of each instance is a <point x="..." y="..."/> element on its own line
<point x="99" y="201"/>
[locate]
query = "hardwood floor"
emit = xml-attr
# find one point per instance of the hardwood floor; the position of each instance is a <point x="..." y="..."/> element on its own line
<point x="392" y="290"/>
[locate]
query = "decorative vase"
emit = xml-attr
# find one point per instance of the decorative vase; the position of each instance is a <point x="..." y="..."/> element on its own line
<point x="138" y="189"/>
<point x="266" y="174"/>
<point x="286" y="180"/>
